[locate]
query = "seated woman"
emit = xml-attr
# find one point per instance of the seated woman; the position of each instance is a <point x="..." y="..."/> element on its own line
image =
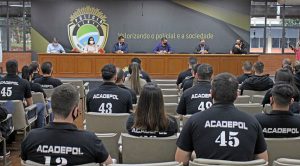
<point x="150" y="119"/>
<point x="284" y="76"/>
<point x="91" y="46"/>
<point x="134" y="81"/>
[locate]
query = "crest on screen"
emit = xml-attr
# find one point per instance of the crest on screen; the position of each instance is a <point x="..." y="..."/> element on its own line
<point x="87" y="22"/>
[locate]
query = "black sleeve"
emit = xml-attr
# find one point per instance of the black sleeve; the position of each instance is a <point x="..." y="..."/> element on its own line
<point x="87" y="102"/>
<point x="24" y="147"/>
<point x="147" y="77"/>
<point x="266" y="99"/>
<point x="133" y="96"/>
<point x="260" y="145"/>
<point x="179" y="79"/>
<point x="3" y="113"/>
<point x="173" y="126"/>
<point x="27" y="90"/>
<point x="181" y="108"/>
<point x="58" y="83"/>
<point x="240" y="79"/>
<point x="100" y="151"/>
<point x="236" y="50"/>
<point x="129" y="103"/>
<point x="185" y="140"/>
<point x="130" y="122"/>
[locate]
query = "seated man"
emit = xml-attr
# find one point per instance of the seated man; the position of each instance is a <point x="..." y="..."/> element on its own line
<point x="201" y="48"/>
<point x="280" y="122"/>
<point x="61" y="143"/>
<point x="197" y="98"/>
<point x="239" y="47"/>
<point x="259" y="81"/>
<point x="47" y="81"/>
<point x="55" y="47"/>
<point x="222" y="131"/>
<point x="247" y="69"/>
<point x="35" y="66"/>
<point x="163" y="47"/>
<point x="120" y="47"/>
<point x="120" y="82"/>
<point x="187" y="73"/>
<point x="188" y="82"/>
<point x="109" y="98"/>
<point x="144" y="75"/>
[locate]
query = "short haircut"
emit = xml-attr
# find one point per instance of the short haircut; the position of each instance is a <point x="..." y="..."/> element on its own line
<point x="297" y="66"/>
<point x="282" y="94"/>
<point x="192" y="61"/>
<point x="64" y="99"/>
<point x="286" y="61"/>
<point x="108" y="72"/>
<point x="121" y="37"/>
<point x="46" y="68"/>
<point x="247" y="65"/>
<point x="259" y="67"/>
<point x="120" y="75"/>
<point x="34" y="66"/>
<point x="224" y="88"/>
<point x="163" y="39"/>
<point x="136" y="60"/>
<point x="12" y="67"/>
<point x="205" y="71"/>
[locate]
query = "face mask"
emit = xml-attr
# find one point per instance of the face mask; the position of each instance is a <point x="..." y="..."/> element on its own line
<point x="201" y="44"/>
<point x="91" y="42"/>
<point x="55" y="44"/>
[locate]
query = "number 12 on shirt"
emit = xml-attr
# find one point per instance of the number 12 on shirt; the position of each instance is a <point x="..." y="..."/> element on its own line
<point x="232" y="140"/>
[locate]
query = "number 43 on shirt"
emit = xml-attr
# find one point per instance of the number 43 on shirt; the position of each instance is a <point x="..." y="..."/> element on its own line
<point x="230" y="140"/>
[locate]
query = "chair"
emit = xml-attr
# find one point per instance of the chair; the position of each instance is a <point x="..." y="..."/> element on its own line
<point x="245" y="99"/>
<point x="38" y="97"/>
<point x="106" y="123"/>
<point x="170" y="98"/>
<point x="170" y="108"/>
<point x="137" y="150"/>
<point x="251" y="109"/>
<point x="48" y="92"/>
<point x="167" y="86"/>
<point x="174" y="163"/>
<point x="185" y="119"/>
<point x="201" y="162"/>
<point x="283" y="148"/>
<point x="286" y="162"/>
<point x="257" y="99"/>
<point x="2" y="139"/>
<point x="110" y="141"/>
<point x="19" y="115"/>
<point x="170" y="91"/>
<point x="31" y="163"/>
<point x="252" y="92"/>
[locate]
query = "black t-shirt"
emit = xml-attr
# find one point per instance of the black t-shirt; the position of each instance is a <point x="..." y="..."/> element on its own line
<point x="132" y="92"/>
<point x="171" y="130"/>
<point x="183" y="75"/>
<point x="36" y="75"/>
<point x="243" y="77"/>
<point x="63" y="143"/>
<point x="279" y="124"/>
<point x="12" y="87"/>
<point x="195" y="99"/>
<point x="143" y="75"/>
<point x="109" y="98"/>
<point x="257" y="83"/>
<point x="48" y="82"/>
<point x="37" y="88"/>
<point x="187" y="83"/>
<point x="222" y="132"/>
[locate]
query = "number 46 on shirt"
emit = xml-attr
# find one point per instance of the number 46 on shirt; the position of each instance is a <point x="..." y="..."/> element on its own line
<point x="228" y="140"/>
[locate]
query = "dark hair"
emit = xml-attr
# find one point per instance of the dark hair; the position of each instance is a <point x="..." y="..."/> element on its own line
<point x="224" y="88"/>
<point x="195" y="68"/>
<point x="192" y="61"/>
<point x="64" y="99"/>
<point x="297" y="66"/>
<point x="12" y="67"/>
<point x="27" y="72"/>
<point x="288" y="67"/>
<point x="108" y="72"/>
<point x="163" y="39"/>
<point x="120" y="75"/>
<point x="286" y="61"/>
<point x="34" y="66"/>
<point x="259" y="67"/>
<point x="150" y="114"/>
<point x="136" y="60"/>
<point x="90" y="39"/>
<point x="121" y="37"/>
<point x="282" y="94"/>
<point x="46" y="68"/>
<point x="134" y="70"/>
<point x="205" y="71"/>
<point x="284" y="75"/>
<point x="247" y="65"/>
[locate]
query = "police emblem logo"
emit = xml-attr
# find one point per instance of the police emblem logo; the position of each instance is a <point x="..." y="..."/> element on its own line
<point x="87" y="22"/>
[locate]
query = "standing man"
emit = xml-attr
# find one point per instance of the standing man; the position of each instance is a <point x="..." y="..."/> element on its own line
<point x="120" y="47"/>
<point x="201" y="48"/>
<point x="163" y="47"/>
<point x="61" y="143"/>
<point x="222" y="132"/>
<point x="55" y="47"/>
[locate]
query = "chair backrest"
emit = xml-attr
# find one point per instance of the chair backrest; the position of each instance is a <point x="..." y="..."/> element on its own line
<point x="174" y="163"/>
<point x="258" y="162"/>
<point x="170" y="91"/>
<point x="38" y="97"/>
<point x="257" y="99"/>
<point x="170" y="108"/>
<point x="283" y="148"/>
<point x="245" y="99"/>
<point x="20" y="120"/>
<point x="252" y="92"/>
<point x="165" y="81"/>
<point x="286" y="162"/>
<point x="77" y="83"/>
<point x="31" y="163"/>
<point x="167" y="86"/>
<point x="251" y="109"/>
<point x="137" y="150"/>
<point x="106" y="123"/>
<point x="185" y="118"/>
<point x="170" y="98"/>
<point x="49" y="92"/>
<point x="110" y="141"/>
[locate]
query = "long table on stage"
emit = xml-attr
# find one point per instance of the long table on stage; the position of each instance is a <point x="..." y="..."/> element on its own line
<point x="74" y="65"/>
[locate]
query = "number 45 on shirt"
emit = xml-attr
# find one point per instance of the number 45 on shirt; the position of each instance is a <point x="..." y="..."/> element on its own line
<point x="6" y="91"/>
<point x="228" y="140"/>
